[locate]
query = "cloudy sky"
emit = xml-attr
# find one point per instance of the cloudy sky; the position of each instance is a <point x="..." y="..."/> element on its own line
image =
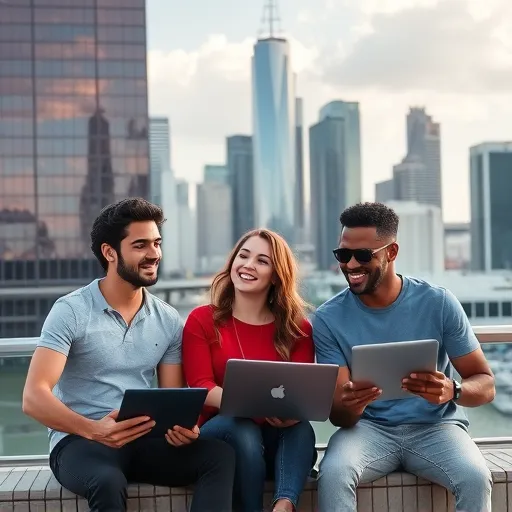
<point x="452" y="56"/>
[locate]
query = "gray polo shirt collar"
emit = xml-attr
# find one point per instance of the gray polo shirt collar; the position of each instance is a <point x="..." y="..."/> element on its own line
<point x="101" y="304"/>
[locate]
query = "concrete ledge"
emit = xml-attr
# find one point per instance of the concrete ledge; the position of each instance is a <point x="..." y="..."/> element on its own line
<point x="35" y="489"/>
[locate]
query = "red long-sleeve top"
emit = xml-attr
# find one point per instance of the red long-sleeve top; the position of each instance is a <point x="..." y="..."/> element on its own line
<point x="204" y="358"/>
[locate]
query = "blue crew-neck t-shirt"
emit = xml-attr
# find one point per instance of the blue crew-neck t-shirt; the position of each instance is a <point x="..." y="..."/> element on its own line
<point x="421" y="311"/>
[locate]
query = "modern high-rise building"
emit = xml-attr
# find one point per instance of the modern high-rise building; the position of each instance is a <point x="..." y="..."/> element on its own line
<point x="300" y="205"/>
<point x="216" y="174"/>
<point x="420" y="237"/>
<point x="411" y="180"/>
<point x="424" y="145"/>
<point x="385" y="191"/>
<point x="214" y="222"/>
<point x="274" y="133"/>
<point x="240" y="167"/>
<point x="163" y="192"/>
<point x="73" y="138"/>
<point x="187" y="230"/>
<point x="349" y="112"/>
<point x="159" y="155"/>
<point x="335" y="175"/>
<point x="490" y="192"/>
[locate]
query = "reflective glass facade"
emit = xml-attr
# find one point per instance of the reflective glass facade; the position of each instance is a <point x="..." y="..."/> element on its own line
<point x="73" y="138"/>
<point x="491" y="190"/>
<point x="274" y="137"/>
<point x="73" y="130"/>
<point x="328" y="172"/>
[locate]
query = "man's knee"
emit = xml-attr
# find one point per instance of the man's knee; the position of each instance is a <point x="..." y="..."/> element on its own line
<point x="476" y="476"/>
<point x="108" y="489"/>
<point x="335" y="469"/>
<point x="218" y="455"/>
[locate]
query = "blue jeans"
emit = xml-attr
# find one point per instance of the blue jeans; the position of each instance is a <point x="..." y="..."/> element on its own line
<point x="441" y="453"/>
<point x="262" y="452"/>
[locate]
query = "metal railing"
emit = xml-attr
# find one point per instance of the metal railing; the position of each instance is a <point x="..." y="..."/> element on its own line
<point x="23" y="347"/>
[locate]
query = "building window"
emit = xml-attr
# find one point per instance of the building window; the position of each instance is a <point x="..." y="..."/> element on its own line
<point x="467" y="306"/>
<point x="480" y="309"/>
<point x="506" y="309"/>
<point x="493" y="309"/>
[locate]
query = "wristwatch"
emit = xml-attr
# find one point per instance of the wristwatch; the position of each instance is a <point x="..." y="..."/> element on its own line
<point x="457" y="389"/>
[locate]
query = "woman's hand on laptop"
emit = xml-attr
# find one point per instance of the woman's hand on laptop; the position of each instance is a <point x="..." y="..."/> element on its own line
<point x="180" y="436"/>
<point x="356" y="396"/>
<point x="276" y="422"/>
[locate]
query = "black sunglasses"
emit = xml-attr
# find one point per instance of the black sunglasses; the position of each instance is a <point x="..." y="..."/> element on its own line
<point x="363" y="256"/>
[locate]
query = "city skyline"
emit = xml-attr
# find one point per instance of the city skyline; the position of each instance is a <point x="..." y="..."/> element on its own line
<point x="456" y="88"/>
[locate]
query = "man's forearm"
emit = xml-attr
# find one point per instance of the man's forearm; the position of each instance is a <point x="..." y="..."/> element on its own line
<point x="44" y="407"/>
<point x="477" y="390"/>
<point x="340" y="417"/>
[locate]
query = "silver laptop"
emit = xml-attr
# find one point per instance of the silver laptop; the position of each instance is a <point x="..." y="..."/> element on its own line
<point x="259" y="389"/>
<point x="386" y="364"/>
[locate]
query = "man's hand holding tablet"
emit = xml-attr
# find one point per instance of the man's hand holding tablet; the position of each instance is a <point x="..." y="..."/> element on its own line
<point x="180" y="436"/>
<point x="434" y="387"/>
<point x="356" y="396"/>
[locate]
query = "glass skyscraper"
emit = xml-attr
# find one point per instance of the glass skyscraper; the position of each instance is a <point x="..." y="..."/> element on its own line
<point x="274" y="137"/>
<point x="73" y="134"/>
<point x="490" y="192"/>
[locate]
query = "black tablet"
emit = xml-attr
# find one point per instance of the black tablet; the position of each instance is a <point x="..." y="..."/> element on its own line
<point x="166" y="406"/>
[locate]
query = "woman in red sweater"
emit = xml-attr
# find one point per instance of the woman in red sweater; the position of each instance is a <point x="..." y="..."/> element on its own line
<point x="255" y="313"/>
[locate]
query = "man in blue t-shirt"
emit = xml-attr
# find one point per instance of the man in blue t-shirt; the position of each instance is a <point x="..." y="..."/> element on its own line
<point x="426" y="434"/>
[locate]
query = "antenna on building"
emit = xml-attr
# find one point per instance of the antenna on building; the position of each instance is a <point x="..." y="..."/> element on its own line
<point x="270" y="19"/>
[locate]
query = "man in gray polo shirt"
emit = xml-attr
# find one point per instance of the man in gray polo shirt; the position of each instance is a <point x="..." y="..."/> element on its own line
<point x="100" y="340"/>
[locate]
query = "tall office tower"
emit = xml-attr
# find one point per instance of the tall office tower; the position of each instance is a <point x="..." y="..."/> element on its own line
<point x="491" y="190"/>
<point x="349" y="112"/>
<point x="300" y="205"/>
<point x="73" y="137"/>
<point x="159" y="155"/>
<point x="335" y="175"/>
<point x="274" y="131"/>
<point x="214" y="225"/>
<point x="240" y="169"/>
<point x="187" y="229"/>
<point x="163" y="191"/>
<point x="421" y="238"/>
<point x="424" y="144"/>
<point x="385" y="191"/>
<point x="411" y="179"/>
<point x="216" y="174"/>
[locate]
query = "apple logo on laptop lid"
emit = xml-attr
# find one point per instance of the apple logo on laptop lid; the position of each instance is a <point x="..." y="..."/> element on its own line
<point x="277" y="392"/>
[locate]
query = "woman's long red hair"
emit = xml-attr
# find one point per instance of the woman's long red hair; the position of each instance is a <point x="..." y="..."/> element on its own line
<point x="284" y="301"/>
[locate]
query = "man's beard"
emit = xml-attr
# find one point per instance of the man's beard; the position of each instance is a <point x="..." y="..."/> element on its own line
<point x="131" y="275"/>
<point x="374" y="280"/>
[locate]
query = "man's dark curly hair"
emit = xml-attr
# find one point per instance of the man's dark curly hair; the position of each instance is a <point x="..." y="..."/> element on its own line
<point x="371" y="215"/>
<point x="110" y="225"/>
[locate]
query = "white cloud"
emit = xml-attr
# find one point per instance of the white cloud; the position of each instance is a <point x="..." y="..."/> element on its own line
<point x="453" y="59"/>
<point x="439" y="49"/>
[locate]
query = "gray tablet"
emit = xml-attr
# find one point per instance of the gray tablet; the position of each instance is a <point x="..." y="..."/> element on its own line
<point x="259" y="389"/>
<point x="386" y="364"/>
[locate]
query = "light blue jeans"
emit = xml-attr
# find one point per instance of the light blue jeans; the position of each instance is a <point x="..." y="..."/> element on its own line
<point x="442" y="453"/>
<point x="262" y="452"/>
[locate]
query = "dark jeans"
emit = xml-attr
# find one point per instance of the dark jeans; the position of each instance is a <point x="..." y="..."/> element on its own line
<point x="100" y="473"/>
<point x="264" y="452"/>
